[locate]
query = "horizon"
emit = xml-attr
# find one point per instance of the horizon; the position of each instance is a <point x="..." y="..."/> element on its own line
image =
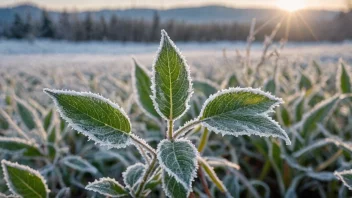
<point x="240" y="4"/>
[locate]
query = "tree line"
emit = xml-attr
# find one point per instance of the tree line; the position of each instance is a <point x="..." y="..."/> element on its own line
<point x="70" y="27"/>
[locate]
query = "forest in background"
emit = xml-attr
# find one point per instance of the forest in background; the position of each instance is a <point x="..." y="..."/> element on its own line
<point x="90" y="28"/>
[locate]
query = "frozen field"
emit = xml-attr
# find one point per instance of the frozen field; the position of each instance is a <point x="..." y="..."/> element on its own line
<point x="66" y="54"/>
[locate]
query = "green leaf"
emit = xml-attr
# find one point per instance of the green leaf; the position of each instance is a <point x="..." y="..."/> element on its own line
<point x="318" y="114"/>
<point x="172" y="187"/>
<point x="270" y="86"/>
<point x="47" y="120"/>
<point x="133" y="175"/>
<point x="108" y="187"/>
<point x="305" y="82"/>
<point x="204" y="88"/>
<point x="343" y="79"/>
<point x="26" y="115"/>
<point x="242" y="111"/>
<point x="96" y="117"/>
<point x="299" y="108"/>
<point x="179" y="159"/>
<point x="142" y="89"/>
<point x="24" y="181"/>
<point x="80" y="164"/>
<point x="3" y="123"/>
<point x="345" y="177"/>
<point x="17" y="145"/>
<point x="171" y="81"/>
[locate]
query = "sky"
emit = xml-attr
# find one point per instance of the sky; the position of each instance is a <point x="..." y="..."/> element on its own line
<point x="165" y="4"/>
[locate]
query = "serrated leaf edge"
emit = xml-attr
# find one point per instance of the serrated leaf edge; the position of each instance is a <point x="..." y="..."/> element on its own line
<point x="153" y="86"/>
<point x="264" y="114"/>
<point x="5" y="163"/>
<point x="195" y="162"/>
<point x="102" y="180"/>
<point x="79" y="129"/>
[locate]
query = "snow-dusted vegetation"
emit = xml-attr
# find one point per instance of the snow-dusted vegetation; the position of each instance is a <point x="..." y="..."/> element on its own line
<point x="221" y="120"/>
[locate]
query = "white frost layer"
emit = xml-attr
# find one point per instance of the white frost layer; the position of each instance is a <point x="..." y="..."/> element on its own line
<point x="79" y="129"/>
<point x="5" y="163"/>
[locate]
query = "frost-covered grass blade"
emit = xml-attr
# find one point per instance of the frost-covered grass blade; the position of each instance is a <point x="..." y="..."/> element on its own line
<point x="80" y="164"/>
<point x="17" y="145"/>
<point x="345" y="177"/>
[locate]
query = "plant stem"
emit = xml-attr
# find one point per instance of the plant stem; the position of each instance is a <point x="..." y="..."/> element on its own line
<point x="143" y="144"/>
<point x="329" y="161"/>
<point x="145" y="177"/>
<point x="203" y="181"/>
<point x="186" y="127"/>
<point x="203" y="140"/>
<point x="170" y="129"/>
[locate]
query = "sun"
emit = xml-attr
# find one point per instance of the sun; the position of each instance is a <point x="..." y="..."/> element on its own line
<point x="291" y="5"/>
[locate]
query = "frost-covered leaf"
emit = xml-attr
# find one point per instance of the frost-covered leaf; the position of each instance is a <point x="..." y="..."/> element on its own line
<point x="26" y="115"/>
<point x="132" y="175"/>
<point x="305" y="82"/>
<point x="345" y="177"/>
<point x="3" y="123"/>
<point x="318" y="114"/>
<point x="299" y="108"/>
<point x="47" y="120"/>
<point x="96" y="117"/>
<point x="63" y="193"/>
<point x="179" y="159"/>
<point x="142" y="89"/>
<point x="172" y="187"/>
<point x="343" y="79"/>
<point x="108" y="187"/>
<point x="78" y="163"/>
<point x="171" y="81"/>
<point x="242" y="111"/>
<point x="17" y="145"/>
<point x="270" y="86"/>
<point x="24" y="181"/>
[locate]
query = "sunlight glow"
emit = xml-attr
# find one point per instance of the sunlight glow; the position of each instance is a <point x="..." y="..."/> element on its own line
<point x="291" y="5"/>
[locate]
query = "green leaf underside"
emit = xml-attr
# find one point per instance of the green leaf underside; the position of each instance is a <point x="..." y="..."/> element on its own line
<point x="345" y="81"/>
<point x="107" y="187"/>
<point x="238" y="111"/>
<point x="317" y="115"/>
<point x="9" y="145"/>
<point x="79" y="164"/>
<point x="143" y="88"/>
<point x="172" y="188"/>
<point x="24" y="181"/>
<point x="133" y="174"/>
<point x="171" y="83"/>
<point x="178" y="158"/>
<point x="94" y="116"/>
